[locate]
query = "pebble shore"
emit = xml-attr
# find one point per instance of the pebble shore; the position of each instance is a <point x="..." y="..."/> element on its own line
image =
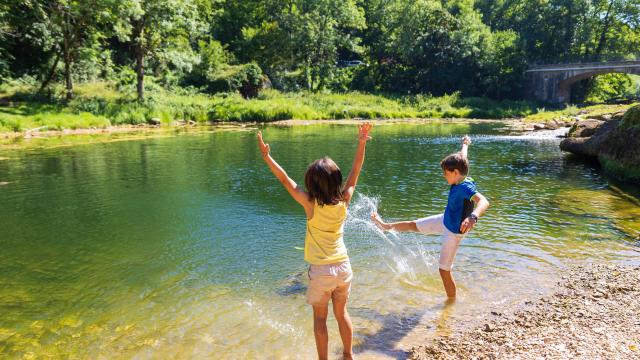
<point x="593" y="314"/>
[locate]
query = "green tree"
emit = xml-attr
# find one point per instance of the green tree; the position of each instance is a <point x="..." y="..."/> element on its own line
<point x="319" y="29"/>
<point x="4" y="32"/>
<point x="60" y="29"/>
<point x="162" y="31"/>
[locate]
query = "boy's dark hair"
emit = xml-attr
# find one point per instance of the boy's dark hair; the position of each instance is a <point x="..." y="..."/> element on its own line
<point x="455" y="161"/>
<point x="323" y="181"/>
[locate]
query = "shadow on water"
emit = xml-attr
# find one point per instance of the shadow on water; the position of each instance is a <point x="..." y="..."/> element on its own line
<point x="393" y="328"/>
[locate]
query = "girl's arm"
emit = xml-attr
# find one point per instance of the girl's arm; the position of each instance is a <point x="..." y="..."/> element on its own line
<point x="294" y="190"/>
<point x="352" y="179"/>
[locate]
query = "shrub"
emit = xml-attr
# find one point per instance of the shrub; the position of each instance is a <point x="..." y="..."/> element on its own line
<point x="246" y="78"/>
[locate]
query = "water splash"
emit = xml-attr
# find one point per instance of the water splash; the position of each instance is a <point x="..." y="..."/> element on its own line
<point x="406" y="256"/>
<point x="540" y="135"/>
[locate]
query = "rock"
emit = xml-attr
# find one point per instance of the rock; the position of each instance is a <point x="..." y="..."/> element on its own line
<point x="618" y="115"/>
<point x="601" y="117"/>
<point x="155" y="121"/>
<point x="191" y="122"/>
<point x="585" y="128"/>
<point x="489" y="327"/>
<point x="589" y="146"/>
<point x="538" y="126"/>
<point x="552" y="125"/>
<point x="631" y="118"/>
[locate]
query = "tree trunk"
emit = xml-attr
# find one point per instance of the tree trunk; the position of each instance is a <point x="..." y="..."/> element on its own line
<point x="603" y="34"/>
<point x="67" y="68"/>
<point x="52" y="72"/>
<point x="140" y="72"/>
<point x="139" y="54"/>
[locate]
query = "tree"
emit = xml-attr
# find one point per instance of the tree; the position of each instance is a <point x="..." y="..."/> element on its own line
<point x="160" y="30"/>
<point x="4" y="33"/>
<point x="65" y="27"/>
<point x="319" y="29"/>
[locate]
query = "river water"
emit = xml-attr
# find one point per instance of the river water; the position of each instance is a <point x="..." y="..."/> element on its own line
<point x="188" y="247"/>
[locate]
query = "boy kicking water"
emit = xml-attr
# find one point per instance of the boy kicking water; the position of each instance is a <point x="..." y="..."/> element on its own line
<point x="464" y="206"/>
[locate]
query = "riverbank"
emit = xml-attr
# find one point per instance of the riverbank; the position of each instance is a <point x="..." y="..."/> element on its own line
<point x="103" y="105"/>
<point x="592" y="314"/>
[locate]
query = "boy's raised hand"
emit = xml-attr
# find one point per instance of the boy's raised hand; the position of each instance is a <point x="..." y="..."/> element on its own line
<point x="264" y="148"/>
<point x="466" y="140"/>
<point x="363" y="131"/>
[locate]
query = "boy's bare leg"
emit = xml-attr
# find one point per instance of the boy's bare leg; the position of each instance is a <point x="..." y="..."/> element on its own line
<point x="345" y="327"/>
<point x="320" y="330"/>
<point x="402" y="226"/>
<point x="449" y="283"/>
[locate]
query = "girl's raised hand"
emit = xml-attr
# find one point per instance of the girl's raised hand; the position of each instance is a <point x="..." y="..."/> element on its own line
<point x="363" y="131"/>
<point x="466" y="140"/>
<point x="264" y="148"/>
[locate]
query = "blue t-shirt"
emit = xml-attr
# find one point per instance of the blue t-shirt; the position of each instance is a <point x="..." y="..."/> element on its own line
<point x="455" y="212"/>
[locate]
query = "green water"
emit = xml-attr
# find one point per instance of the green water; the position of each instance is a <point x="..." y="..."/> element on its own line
<point x="187" y="247"/>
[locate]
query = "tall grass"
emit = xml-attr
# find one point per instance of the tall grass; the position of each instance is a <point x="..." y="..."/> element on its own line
<point x="101" y="104"/>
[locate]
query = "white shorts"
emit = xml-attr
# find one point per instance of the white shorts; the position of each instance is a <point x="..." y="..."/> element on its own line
<point x="450" y="241"/>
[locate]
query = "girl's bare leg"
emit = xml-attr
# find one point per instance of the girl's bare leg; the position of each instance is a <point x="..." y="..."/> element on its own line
<point x="345" y="327"/>
<point x="320" y="330"/>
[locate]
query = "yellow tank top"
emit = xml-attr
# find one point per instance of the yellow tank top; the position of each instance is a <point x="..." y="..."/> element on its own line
<point x="323" y="243"/>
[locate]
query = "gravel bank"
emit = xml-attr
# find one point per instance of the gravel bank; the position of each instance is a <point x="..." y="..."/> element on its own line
<point x="593" y="314"/>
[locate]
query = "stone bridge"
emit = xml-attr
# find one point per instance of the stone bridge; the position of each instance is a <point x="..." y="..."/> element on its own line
<point x="552" y="83"/>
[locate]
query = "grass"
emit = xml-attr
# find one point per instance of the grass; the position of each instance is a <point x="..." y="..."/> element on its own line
<point x="104" y="104"/>
<point x="572" y="110"/>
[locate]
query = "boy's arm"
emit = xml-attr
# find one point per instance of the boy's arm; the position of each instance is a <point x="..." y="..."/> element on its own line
<point x="466" y="141"/>
<point x="482" y="204"/>
<point x="294" y="190"/>
<point x="358" y="160"/>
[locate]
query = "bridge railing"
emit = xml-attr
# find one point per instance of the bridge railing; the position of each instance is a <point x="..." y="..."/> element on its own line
<point x="582" y="60"/>
<point x="591" y="65"/>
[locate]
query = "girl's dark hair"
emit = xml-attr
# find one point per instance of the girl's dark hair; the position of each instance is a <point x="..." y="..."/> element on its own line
<point x="323" y="181"/>
<point x="455" y="161"/>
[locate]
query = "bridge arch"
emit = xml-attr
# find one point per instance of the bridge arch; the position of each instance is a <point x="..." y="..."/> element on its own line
<point x="552" y="83"/>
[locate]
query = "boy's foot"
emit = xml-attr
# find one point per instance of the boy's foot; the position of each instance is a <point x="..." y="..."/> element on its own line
<point x="346" y="356"/>
<point x="377" y="220"/>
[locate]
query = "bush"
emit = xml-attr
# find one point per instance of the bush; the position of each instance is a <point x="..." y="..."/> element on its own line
<point x="246" y="78"/>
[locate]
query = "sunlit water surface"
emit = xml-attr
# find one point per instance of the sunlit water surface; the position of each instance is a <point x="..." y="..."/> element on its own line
<point x="187" y="247"/>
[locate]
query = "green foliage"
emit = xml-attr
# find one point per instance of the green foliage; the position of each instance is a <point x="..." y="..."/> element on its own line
<point x="212" y="57"/>
<point x="246" y="78"/>
<point x="479" y="48"/>
<point x="610" y="86"/>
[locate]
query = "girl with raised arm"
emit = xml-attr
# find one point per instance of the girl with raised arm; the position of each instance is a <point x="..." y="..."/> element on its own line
<point x="325" y="200"/>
